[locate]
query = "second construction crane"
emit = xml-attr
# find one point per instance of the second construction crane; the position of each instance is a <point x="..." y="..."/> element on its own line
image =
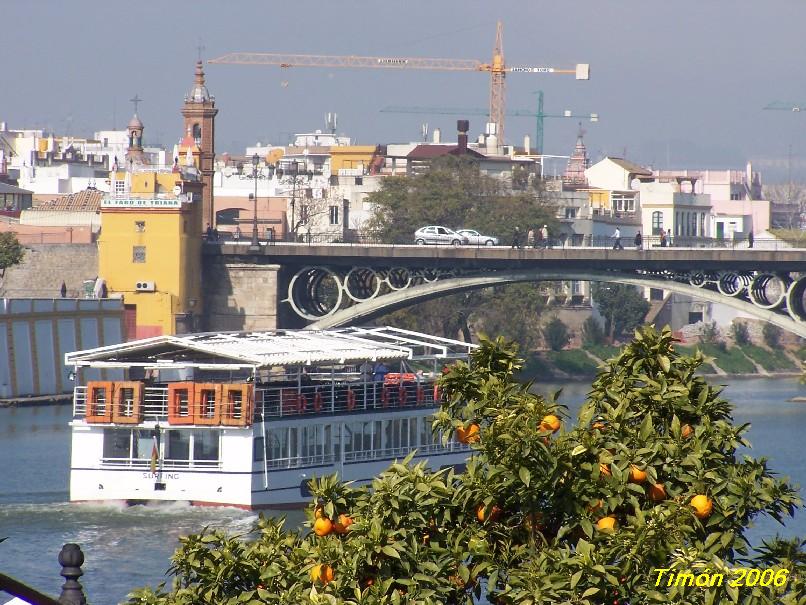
<point x="497" y="68"/>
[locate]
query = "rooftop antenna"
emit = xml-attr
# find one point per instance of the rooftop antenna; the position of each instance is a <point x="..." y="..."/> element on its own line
<point x="331" y="122"/>
<point x="424" y="131"/>
<point x="201" y="47"/>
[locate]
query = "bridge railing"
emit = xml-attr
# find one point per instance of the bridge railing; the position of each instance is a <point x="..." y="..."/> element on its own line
<point x="71" y="559"/>
<point x="649" y="242"/>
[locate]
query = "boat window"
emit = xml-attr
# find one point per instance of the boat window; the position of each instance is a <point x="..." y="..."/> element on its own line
<point x="258" y="451"/>
<point x="426" y="436"/>
<point x="178" y="445"/>
<point x="413" y="432"/>
<point x="293" y="449"/>
<point x="310" y="441"/>
<point x="277" y="444"/>
<point x="328" y="436"/>
<point x="143" y="444"/>
<point x="376" y="437"/>
<point x="205" y="445"/>
<point x="117" y="443"/>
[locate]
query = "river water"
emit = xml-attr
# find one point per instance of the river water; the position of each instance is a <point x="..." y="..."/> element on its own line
<point x="131" y="547"/>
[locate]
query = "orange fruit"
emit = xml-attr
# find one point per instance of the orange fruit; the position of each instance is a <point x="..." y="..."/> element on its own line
<point x="657" y="492"/>
<point x="482" y="514"/>
<point x="703" y="506"/>
<point x="594" y="506"/>
<point x="598" y="426"/>
<point x="636" y="474"/>
<point x="604" y="469"/>
<point x="322" y="526"/>
<point x="469" y="434"/>
<point x="322" y="573"/>
<point x="686" y="431"/>
<point x="342" y="524"/>
<point x="607" y="524"/>
<point x="550" y="423"/>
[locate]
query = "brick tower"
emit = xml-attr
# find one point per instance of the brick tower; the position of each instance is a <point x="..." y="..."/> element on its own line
<point x="199" y="111"/>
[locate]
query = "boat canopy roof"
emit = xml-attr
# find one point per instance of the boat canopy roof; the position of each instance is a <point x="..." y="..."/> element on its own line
<point x="232" y="350"/>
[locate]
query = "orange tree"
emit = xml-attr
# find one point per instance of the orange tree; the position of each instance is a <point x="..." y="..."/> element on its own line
<point x="649" y="479"/>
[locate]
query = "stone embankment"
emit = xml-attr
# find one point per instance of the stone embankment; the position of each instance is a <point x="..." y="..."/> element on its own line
<point x="45" y="266"/>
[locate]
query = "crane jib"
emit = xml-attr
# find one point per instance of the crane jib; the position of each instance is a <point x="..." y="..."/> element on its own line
<point x="532" y="70"/>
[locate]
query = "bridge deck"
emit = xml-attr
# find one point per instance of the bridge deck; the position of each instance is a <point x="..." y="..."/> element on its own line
<point x="498" y="257"/>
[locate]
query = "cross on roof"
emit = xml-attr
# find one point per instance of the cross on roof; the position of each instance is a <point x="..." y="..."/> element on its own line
<point x="136" y="100"/>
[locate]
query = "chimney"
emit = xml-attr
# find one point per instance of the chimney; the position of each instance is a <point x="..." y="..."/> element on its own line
<point x="527" y="144"/>
<point x="462" y="126"/>
<point x="437" y="136"/>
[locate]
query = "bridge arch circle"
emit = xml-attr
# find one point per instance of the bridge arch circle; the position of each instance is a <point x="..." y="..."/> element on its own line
<point x="768" y="291"/>
<point x="362" y="284"/>
<point x="310" y="295"/>
<point x="426" y="291"/>
<point x="795" y="299"/>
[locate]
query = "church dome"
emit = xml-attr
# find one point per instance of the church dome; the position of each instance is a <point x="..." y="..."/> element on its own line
<point x="199" y="92"/>
<point x="135" y="123"/>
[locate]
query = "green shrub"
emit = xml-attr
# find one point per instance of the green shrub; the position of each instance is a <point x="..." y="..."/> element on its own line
<point x="772" y="335"/>
<point x="592" y="332"/>
<point x="556" y="334"/>
<point x="740" y="333"/>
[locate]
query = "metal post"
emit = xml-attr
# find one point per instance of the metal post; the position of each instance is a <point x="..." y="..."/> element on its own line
<point x="255" y="245"/>
<point x="71" y="559"/>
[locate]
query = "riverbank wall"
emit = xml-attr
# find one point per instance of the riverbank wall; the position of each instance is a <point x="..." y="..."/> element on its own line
<point x="737" y="361"/>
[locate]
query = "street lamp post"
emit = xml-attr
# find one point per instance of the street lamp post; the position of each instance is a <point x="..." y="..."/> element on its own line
<point x="255" y="245"/>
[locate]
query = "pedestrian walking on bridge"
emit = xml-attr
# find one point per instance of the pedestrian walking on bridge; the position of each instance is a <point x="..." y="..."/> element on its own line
<point x="617" y="240"/>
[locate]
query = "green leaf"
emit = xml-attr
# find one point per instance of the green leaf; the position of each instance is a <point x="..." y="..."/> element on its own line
<point x="391" y="552"/>
<point x="525" y="475"/>
<point x="578" y="450"/>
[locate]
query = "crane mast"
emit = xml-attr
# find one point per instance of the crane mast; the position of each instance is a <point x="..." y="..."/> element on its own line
<point x="497" y="68"/>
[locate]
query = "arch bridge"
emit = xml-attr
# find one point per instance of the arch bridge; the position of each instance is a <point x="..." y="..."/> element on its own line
<point x="331" y="285"/>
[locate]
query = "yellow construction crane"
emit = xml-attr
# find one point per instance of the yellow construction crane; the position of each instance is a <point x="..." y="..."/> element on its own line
<point x="497" y="68"/>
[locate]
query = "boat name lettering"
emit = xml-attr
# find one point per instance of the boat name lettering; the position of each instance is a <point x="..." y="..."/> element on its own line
<point x="160" y="476"/>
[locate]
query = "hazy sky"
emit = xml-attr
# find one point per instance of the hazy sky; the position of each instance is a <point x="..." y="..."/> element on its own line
<point x="676" y="84"/>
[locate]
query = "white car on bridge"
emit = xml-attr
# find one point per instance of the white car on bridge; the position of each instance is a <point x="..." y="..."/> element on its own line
<point x="435" y="234"/>
<point x="474" y="238"/>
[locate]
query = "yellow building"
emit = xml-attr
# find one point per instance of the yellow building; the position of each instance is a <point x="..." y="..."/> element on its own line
<point x="352" y="157"/>
<point x="149" y="249"/>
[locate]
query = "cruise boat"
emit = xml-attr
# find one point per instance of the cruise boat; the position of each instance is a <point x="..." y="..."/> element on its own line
<point x="247" y="419"/>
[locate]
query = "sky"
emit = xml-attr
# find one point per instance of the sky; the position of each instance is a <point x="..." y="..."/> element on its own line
<point x="676" y="84"/>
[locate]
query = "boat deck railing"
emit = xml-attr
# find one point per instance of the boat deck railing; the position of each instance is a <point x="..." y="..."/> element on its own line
<point x="166" y="463"/>
<point x="315" y="398"/>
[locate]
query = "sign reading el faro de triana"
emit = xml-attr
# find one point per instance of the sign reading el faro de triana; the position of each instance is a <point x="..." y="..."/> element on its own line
<point x="140" y="202"/>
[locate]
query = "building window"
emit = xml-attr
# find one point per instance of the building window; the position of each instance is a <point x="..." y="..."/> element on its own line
<point x="657" y="222"/>
<point x="734" y="196"/>
<point x="702" y="224"/>
<point x="623" y="203"/>
<point x="570" y="213"/>
<point x="334" y="215"/>
<point x="655" y="294"/>
<point x="139" y="226"/>
<point x="693" y="223"/>
<point x="120" y="187"/>
<point x="303" y="214"/>
<point x="138" y="254"/>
